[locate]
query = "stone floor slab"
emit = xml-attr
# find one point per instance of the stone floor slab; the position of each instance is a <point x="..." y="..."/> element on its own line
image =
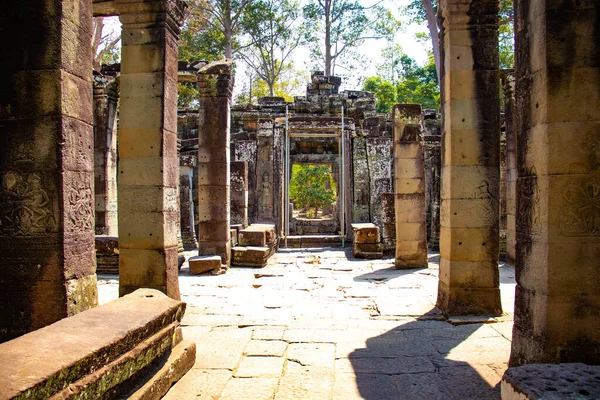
<point x="271" y="348"/>
<point x="250" y="388"/>
<point x="260" y="367"/>
<point x="350" y="386"/>
<point x="312" y="354"/>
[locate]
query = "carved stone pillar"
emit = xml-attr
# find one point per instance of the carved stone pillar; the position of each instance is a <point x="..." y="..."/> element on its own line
<point x="411" y="221"/>
<point x="239" y="192"/>
<point x="557" y="298"/>
<point x="148" y="161"/>
<point x="47" y="260"/>
<point x="511" y="165"/>
<point x="264" y="171"/>
<point x="105" y="155"/>
<point x="215" y="85"/>
<point x="186" y="202"/>
<point x="469" y="282"/>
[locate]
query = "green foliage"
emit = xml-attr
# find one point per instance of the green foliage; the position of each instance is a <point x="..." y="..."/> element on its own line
<point x="385" y="93"/>
<point x="415" y="84"/>
<point x="291" y="82"/>
<point x="187" y="95"/>
<point x="334" y="28"/>
<point x="308" y="187"/>
<point x="272" y="36"/>
<point x="506" y="35"/>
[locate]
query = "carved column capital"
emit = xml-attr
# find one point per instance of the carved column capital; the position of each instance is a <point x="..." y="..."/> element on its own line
<point x="149" y="12"/>
<point x="215" y="79"/>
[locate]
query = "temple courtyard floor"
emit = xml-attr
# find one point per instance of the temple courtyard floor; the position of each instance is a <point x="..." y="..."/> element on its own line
<point x="320" y="324"/>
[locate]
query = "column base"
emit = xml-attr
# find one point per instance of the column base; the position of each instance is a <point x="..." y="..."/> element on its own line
<point x="468" y="301"/>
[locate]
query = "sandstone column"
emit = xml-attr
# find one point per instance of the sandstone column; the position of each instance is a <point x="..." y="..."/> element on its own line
<point x="186" y="202"/>
<point x="47" y="260"/>
<point x="264" y="171"/>
<point x="411" y="220"/>
<point x="511" y="165"/>
<point x="470" y="158"/>
<point x="148" y="164"/>
<point x="105" y="155"/>
<point x="557" y="298"/>
<point x="239" y="193"/>
<point x="215" y="85"/>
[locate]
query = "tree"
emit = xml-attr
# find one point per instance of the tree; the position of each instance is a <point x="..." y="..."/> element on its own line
<point x="291" y="82"/>
<point x="384" y="90"/>
<point x="425" y="11"/>
<point x="339" y="26"/>
<point x="308" y="187"/>
<point x="104" y="45"/>
<point x="212" y="30"/>
<point x="269" y="25"/>
<point x="415" y="85"/>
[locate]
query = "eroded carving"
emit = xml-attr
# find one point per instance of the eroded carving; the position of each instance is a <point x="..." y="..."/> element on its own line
<point x="579" y="215"/>
<point x="25" y="207"/>
<point x="81" y="212"/>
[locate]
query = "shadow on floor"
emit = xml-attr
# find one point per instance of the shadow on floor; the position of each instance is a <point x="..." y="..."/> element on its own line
<point x="411" y="362"/>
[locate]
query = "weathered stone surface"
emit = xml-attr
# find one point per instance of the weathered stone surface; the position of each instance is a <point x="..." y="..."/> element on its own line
<point x="201" y="264"/>
<point x="551" y="381"/>
<point x="116" y="349"/>
<point x="251" y="256"/>
<point x="200" y="383"/>
<point x="365" y="233"/>
<point x="557" y="220"/>
<point x="46" y="166"/>
<point x="215" y="89"/>
<point x="259" y="367"/>
<point x="272" y="348"/>
<point x="250" y="388"/>
<point x="148" y="160"/>
<point x="471" y="159"/>
<point x="252" y="237"/>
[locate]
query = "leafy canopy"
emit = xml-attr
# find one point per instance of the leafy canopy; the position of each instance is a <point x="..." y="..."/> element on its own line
<point x="308" y="187"/>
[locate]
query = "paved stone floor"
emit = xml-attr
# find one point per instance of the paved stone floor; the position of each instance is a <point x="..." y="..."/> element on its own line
<point x="322" y="325"/>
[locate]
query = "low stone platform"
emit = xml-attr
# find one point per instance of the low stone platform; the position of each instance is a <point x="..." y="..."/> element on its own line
<point x="129" y="348"/>
<point x="366" y="241"/>
<point x="256" y="244"/>
<point x="312" y="241"/>
<point x="551" y="381"/>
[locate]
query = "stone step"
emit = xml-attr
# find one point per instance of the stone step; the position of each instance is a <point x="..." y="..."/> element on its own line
<point x="308" y="241"/>
<point x="251" y="256"/>
<point x="100" y="352"/>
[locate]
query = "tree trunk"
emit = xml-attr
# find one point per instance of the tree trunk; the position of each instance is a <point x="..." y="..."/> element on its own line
<point x="434" y="33"/>
<point x="228" y="30"/>
<point x="328" y="60"/>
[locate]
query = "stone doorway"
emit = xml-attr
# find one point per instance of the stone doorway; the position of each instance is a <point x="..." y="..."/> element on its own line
<point x="314" y="199"/>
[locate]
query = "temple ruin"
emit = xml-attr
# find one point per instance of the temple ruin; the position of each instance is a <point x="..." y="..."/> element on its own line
<point x="102" y="176"/>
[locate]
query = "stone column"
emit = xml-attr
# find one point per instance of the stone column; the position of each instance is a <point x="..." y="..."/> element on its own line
<point x="239" y="192"/>
<point x="215" y="85"/>
<point x="411" y="220"/>
<point x="264" y="171"/>
<point x="557" y="298"/>
<point x="186" y="202"/>
<point x="469" y="282"/>
<point x="433" y="166"/>
<point x="47" y="260"/>
<point x="511" y="165"/>
<point x="148" y="161"/>
<point x="105" y="155"/>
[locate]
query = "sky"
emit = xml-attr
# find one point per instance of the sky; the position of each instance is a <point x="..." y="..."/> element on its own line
<point x="371" y="49"/>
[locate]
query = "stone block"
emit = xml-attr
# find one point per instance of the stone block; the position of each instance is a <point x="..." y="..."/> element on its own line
<point x="201" y="264"/>
<point x="252" y="237"/>
<point x="234" y="237"/>
<point x="78" y="356"/>
<point x="367" y="254"/>
<point x="368" y="247"/>
<point x="365" y="233"/>
<point x="251" y="256"/>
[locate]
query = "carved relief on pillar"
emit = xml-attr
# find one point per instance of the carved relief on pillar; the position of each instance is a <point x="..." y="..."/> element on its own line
<point x="80" y="211"/>
<point x="25" y="206"/>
